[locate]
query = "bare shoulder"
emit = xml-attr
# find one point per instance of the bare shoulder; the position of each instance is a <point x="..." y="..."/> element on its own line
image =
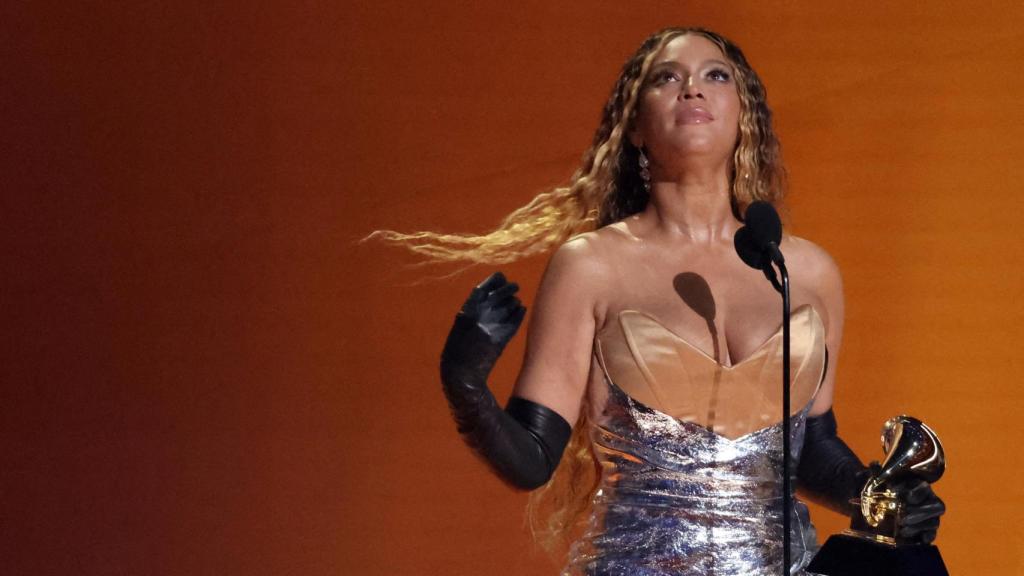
<point x="581" y="254"/>
<point x="813" y="268"/>
<point x="814" y="271"/>
<point x="587" y="256"/>
<point x="815" y="265"/>
<point x="582" y="272"/>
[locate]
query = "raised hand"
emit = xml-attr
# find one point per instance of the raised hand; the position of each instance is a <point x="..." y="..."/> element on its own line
<point x="524" y="442"/>
<point x="488" y="320"/>
<point x="495" y="310"/>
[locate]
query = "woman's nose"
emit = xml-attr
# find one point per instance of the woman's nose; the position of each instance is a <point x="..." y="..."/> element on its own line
<point x="691" y="90"/>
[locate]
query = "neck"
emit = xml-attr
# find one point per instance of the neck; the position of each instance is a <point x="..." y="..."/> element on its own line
<point x="694" y="204"/>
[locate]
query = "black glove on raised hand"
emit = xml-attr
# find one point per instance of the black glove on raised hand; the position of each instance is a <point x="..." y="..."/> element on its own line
<point x="833" y="473"/>
<point x="524" y="442"/>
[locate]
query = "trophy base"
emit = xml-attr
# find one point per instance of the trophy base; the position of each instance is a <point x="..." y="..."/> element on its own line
<point x="846" y="555"/>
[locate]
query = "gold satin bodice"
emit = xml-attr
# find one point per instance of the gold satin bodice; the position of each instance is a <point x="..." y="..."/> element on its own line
<point x="663" y="371"/>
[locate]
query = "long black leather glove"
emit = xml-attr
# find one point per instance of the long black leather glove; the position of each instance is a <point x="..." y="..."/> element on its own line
<point x="524" y="442"/>
<point x="833" y="473"/>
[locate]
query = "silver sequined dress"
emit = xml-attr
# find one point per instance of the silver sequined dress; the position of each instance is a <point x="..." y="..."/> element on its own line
<point x="693" y="487"/>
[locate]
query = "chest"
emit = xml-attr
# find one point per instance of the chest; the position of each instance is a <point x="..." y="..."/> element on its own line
<point x="724" y="309"/>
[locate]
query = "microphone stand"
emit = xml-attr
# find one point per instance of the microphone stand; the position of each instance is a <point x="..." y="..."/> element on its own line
<point x="786" y="465"/>
<point x="757" y="244"/>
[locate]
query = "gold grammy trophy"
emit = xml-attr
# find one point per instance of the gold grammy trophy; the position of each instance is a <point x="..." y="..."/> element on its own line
<point x="872" y="544"/>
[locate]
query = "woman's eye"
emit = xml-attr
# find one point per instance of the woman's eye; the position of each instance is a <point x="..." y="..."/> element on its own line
<point x="664" y="77"/>
<point x="719" y="75"/>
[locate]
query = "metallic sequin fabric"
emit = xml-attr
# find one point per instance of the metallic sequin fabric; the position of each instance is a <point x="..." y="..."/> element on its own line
<point x="678" y="499"/>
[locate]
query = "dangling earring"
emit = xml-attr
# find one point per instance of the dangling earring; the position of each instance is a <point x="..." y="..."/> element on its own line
<point x="645" y="173"/>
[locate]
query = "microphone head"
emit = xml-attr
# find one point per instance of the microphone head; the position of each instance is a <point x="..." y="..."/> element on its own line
<point x="764" y="224"/>
<point x="748" y="250"/>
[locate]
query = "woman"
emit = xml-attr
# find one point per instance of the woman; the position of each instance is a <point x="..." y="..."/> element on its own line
<point x="655" y="341"/>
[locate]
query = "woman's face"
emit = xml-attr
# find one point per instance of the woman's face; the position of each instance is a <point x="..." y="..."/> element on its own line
<point x="689" y="107"/>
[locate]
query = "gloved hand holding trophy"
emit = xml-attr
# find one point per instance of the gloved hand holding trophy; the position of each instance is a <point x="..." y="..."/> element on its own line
<point x="897" y="512"/>
<point x="914" y="459"/>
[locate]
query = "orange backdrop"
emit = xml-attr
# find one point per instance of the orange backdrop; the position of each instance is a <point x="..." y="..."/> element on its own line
<point x="202" y="373"/>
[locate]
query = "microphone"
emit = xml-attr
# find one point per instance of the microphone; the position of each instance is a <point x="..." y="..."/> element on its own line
<point x="761" y="236"/>
<point x="757" y="243"/>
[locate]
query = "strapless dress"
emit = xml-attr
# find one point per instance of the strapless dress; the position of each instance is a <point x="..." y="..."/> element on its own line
<point x="691" y="454"/>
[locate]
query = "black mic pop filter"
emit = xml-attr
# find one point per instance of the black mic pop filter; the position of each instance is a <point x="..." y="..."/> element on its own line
<point x="763" y="222"/>
<point x="748" y="250"/>
<point x="757" y="243"/>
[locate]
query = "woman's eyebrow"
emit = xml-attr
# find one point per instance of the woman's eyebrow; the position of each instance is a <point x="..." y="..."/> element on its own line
<point x="675" y="64"/>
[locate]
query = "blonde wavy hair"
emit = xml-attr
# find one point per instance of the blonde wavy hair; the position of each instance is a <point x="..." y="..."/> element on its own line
<point x="604" y="189"/>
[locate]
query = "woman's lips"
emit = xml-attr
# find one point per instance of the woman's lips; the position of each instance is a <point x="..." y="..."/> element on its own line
<point x="695" y="115"/>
